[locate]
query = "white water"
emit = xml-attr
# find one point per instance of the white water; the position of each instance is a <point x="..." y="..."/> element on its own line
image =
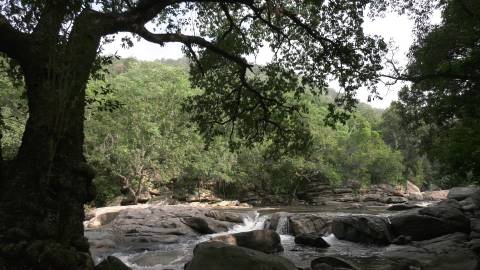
<point x="283" y="226"/>
<point x="176" y="255"/>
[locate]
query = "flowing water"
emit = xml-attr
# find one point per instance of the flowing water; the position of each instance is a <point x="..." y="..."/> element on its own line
<point x="174" y="256"/>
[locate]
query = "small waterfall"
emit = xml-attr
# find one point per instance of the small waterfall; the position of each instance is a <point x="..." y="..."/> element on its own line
<point x="250" y="223"/>
<point x="283" y="226"/>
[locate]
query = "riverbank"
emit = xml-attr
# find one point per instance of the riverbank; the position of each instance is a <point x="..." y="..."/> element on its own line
<point x="425" y="235"/>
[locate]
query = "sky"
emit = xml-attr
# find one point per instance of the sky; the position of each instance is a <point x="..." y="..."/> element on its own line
<point x="391" y="27"/>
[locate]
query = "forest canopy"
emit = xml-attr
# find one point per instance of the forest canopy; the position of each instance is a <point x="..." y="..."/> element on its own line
<point x="139" y="130"/>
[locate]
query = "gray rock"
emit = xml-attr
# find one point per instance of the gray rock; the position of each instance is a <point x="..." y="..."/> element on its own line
<point x="225" y="216"/>
<point x="102" y="219"/>
<point x="437" y="195"/>
<point x="461" y="193"/>
<point x="332" y="263"/>
<point x="442" y="253"/>
<point x="274" y="219"/>
<point x="201" y="225"/>
<point x="419" y="227"/>
<point x="310" y="223"/>
<point x="267" y="241"/>
<point x="220" y="256"/>
<point x="311" y="239"/>
<point x="112" y="263"/>
<point x="415" y="196"/>
<point x="362" y="229"/>
<point x="450" y="212"/>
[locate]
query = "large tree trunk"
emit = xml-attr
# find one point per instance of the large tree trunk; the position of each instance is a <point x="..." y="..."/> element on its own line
<point x="43" y="190"/>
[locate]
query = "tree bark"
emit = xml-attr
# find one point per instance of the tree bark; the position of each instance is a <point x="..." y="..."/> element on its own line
<point x="43" y="190"/>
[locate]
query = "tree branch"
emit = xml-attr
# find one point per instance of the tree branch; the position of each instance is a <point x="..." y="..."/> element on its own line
<point x="13" y="43"/>
<point x="145" y="11"/>
<point x="161" y="39"/>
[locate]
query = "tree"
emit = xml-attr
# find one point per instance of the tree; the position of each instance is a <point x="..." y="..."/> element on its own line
<point x="55" y="47"/>
<point x="445" y="71"/>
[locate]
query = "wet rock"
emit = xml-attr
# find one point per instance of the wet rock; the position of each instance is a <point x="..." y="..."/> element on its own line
<point x="200" y="225"/>
<point x="267" y="241"/>
<point x="332" y="263"/>
<point x="402" y="207"/>
<point x="461" y="193"/>
<point x="112" y="263"/>
<point x="442" y="253"/>
<point x="225" y="216"/>
<point x="430" y="222"/>
<point x="311" y="239"/>
<point x="220" y="256"/>
<point x="310" y="223"/>
<point x="450" y="212"/>
<point x="362" y="229"/>
<point x="437" y="195"/>
<point x="275" y="219"/>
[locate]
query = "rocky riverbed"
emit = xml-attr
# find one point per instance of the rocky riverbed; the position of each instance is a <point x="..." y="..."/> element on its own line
<point x="442" y="235"/>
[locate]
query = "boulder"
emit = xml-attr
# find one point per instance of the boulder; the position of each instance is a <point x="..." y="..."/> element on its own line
<point x="392" y="190"/>
<point x="310" y="223"/>
<point x="470" y="203"/>
<point x="450" y="212"/>
<point x="332" y="263"/>
<point x="362" y="229"/>
<point x="112" y="263"/>
<point x="311" y="239"/>
<point x="461" y="193"/>
<point x="412" y="188"/>
<point x="430" y="222"/>
<point x="204" y="225"/>
<point x="220" y="256"/>
<point x="442" y="253"/>
<point x="225" y="216"/>
<point x="437" y="195"/>
<point x="267" y="241"/>
<point x="448" y="252"/>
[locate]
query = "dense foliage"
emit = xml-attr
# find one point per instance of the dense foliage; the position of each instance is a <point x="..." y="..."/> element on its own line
<point x="136" y="130"/>
<point x="442" y="104"/>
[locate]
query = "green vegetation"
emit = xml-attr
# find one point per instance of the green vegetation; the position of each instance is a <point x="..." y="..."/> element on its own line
<point x="441" y="108"/>
<point x="136" y="131"/>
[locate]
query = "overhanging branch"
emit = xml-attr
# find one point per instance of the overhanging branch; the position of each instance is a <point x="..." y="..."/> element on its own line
<point x="13" y="43"/>
<point x="188" y="40"/>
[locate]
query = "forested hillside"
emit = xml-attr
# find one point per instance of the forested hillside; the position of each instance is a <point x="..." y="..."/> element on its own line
<point x="137" y="135"/>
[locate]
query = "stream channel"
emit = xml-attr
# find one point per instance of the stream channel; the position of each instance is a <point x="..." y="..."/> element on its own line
<point x="174" y="255"/>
